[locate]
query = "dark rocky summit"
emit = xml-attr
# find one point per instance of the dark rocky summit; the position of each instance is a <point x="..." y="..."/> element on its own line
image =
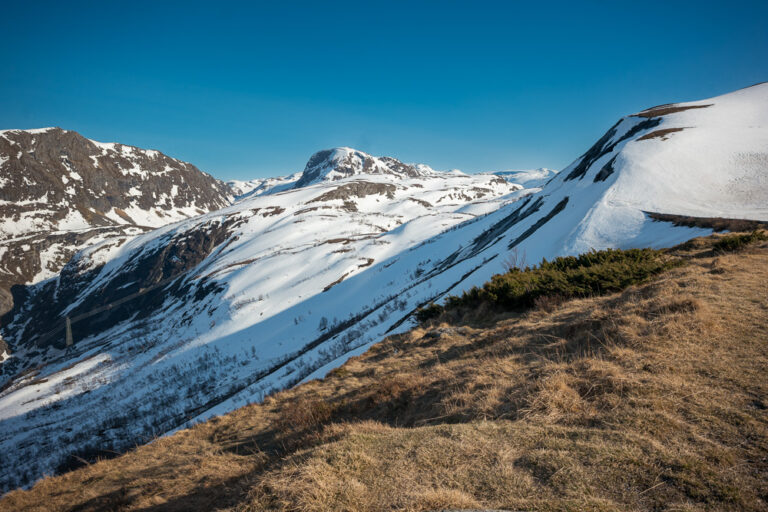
<point x="339" y="163"/>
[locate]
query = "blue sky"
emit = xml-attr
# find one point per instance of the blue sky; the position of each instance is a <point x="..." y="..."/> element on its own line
<point x="249" y="89"/>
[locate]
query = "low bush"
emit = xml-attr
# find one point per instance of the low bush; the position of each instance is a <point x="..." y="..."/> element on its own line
<point x="589" y="274"/>
<point x="732" y="243"/>
<point x="429" y="312"/>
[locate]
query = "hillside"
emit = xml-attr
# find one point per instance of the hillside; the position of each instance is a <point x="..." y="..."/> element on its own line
<point x="196" y="319"/>
<point x="209" y="312"/>
<point x="648" y="399"/>
<point x="61" y="192"/>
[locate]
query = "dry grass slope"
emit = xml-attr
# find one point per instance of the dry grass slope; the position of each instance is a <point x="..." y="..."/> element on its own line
<point x="654" y="398"/>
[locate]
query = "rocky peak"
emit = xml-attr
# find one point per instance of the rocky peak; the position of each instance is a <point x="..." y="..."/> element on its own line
<point x="61" y="167"/>
<point x="339" y="163"/>
<point x="61" y="192"/>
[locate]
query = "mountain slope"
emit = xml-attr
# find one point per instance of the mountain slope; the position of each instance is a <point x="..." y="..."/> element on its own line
<point x="61" y="192"/>
<point x="256" y="280"/>
<point x="649" y="399"/>
<point x="224" y="309"/>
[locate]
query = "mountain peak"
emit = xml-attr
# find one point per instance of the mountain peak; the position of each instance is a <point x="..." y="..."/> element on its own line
<point x="61" y="192"/>
<point x="342" y="162"/>
<point x="33" y="130"/>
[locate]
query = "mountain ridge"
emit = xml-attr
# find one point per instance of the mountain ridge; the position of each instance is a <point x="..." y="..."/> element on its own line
<point x="61" y="192"/>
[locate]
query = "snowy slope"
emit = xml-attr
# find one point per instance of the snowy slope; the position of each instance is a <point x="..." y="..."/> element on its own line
<point x="257" y="281"/>
<point x="280" y="288"/>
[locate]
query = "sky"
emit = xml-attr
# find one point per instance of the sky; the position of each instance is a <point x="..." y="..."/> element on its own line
<point x="252" y="89"/>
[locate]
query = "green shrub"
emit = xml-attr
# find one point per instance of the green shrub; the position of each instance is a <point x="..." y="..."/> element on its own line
<point x="592" y="273"/>
<point x="429" y="312"/>
<point x="733" y="243"/>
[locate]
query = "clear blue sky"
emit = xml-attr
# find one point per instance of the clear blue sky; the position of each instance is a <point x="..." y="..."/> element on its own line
<point x="253" y="89"/>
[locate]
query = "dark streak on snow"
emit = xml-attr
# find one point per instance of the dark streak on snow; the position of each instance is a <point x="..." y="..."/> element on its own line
<point x="497" y="230"/>
<point x="531" y="230"/>
<point x="602" y="146"/>
<point x="606" y="171"/>
<point x="714" y="223"/>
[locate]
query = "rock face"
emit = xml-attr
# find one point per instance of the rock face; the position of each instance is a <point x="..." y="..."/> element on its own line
<point x="61" y="192"/>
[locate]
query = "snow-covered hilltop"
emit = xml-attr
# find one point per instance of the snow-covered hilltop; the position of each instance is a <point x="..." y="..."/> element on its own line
<point x="339" y="163"/>
<point x="703" y="159"/>
<point x="60" y="192"/>
<point x="216" y="311"/>
<point x="330" y="165"/>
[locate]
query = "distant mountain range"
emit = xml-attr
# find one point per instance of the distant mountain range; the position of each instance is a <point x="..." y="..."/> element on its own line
<point x="528" y="178"/>
<point x="299" y="273"/>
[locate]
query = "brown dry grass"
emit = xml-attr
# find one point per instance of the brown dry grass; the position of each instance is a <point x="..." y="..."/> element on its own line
<point x="716" y="223"/>
<point x="665" y="110"/>
<point x="652" y="399"/>
<point x="661" y="134"/>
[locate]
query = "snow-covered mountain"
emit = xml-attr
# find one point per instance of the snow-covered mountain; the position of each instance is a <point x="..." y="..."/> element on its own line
<point x="339" y="163"/>
<point x="330" y="165"/>
<point x="201" y="317"/>
<point x="61" y="192"/>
